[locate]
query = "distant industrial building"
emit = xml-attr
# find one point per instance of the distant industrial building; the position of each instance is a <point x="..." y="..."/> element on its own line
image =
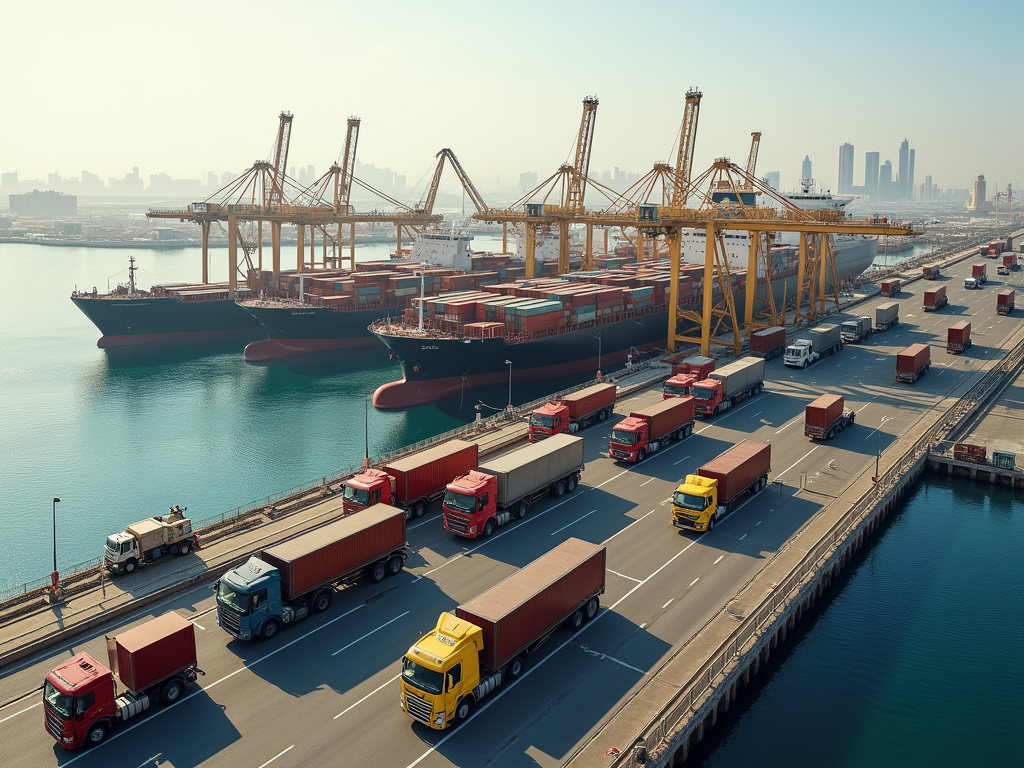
<point x="772" y="180"/>
<point x="871" y="173"/>
<point x="44" y="205"/>
<point x="805" y="169"/>
<point x="528" y="180"/>
<point x="846" y="169"/>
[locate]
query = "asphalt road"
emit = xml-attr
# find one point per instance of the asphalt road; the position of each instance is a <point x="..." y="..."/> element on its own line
<point x="325" y="691"/>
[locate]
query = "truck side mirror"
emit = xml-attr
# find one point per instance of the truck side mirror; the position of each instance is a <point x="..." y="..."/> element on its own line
<point x="449" y="682"/>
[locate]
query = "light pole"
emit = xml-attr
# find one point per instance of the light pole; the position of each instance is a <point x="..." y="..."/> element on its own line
<point x="54" y="577"/>
<point x="598" y="337"/>
<point x="878" y="445"/>
<point x="509" y="364"/>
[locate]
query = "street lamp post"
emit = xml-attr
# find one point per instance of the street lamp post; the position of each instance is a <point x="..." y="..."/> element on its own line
<point x="598" y="337"/>
<point x="878" y="445"/>
<point x="55" y="577"/>
<point x="509" y="364"/>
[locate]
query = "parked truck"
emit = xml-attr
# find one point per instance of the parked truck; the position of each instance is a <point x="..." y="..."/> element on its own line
<point x="958" y="338"/>
<point x="646" y="430"/>
<point x="504" y="488"/>
<point x="148" y="540"/>
<point x="287" y="582"/>
<point x="411" y="483"/>
<point x="473" y="650"/>
<point x="931" y="271"/>
<point x="913" y="363"/>
<point x="1005" y="301"/>
<point x="890" y="287"/>
<point x="855" y="330"/>
<point x="818" y="342"/>
<point x="573" y="412"/>
<point x="826" y="417"/>
<point x="81" y="702"/>
<point x="706" y="497"/>
<point x="935" y="299"/>
<point x="887" y="316"/>
<point x="728" y="386"/>
<point x="768" y="343"/>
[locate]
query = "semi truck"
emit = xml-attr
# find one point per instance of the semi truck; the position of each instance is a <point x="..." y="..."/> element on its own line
<point x="503" y="488"/>
<point x="935" y="299"/>
<point x="413" y="482"/>
<point x="855" y="330"/>
<point x="678" y="385"/>
<point x="977" y="278"/>
<point x="887" y="316"/>
<point x="727" y="386"/>
<point x="913" y="363"/>
<point x="958" y="338"/>
<point x="890" y="287"/>
<point x="1005" y="301"/>
<point x="485" y="642"/>
<point x="148" y="540"/>
<point x="823" y="340"/>
<point x="706" y="497"/>
<point x="646" y="430"/>
<point x="573" y="412"/>
<point x="698" y="365"/>
<point x="930" y="272"/>
<point x="826" y="417"/>
<point x="289" y="581"/>
<point x="768" y="343"/>
<point x="155" y="660"/>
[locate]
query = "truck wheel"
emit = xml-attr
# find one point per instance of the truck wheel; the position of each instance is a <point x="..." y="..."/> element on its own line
<point x="641" y="455"/>
<point x="575" y="621"/>
<point x="269" y="630"/>
<point x="521" y="511"/>
<point x="711" y="523"/>
<point x="831" y="434"/>
<point x="418" y="509"/>
<point x="322" y="601"/>
<point x="687" y="430"/>
<point x="571" y="483"/>
<point x="515" y="668"/>
<point x="488" y="527"/>
<point x="184" y="549"/>
<point x="602" y="415"/>
<point x="378" y="571"/>
<point x="463" y="710"/>
<point x="130" y="565"/>
<point x="590" y="610"/>
<point x="172" y="691"/>
<point x="560" y="488"/>
<point x="395" y="565"/>
<point x="804" y="366"/>
<point x="97" y="733"/>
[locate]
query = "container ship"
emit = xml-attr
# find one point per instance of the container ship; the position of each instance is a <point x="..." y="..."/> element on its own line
<point x="540" y="328"/>
<point x="128" y="316"/>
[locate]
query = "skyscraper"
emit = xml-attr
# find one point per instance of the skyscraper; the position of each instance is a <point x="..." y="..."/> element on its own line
<point x="885" y="181"/>
<point x="910" y="175"/>
<point x="805" y="170"/>
<point x="904" y="172"/>
<point x="871" y="173"/>
<point x="771" y="178"/>
<point x="846" y="168"/>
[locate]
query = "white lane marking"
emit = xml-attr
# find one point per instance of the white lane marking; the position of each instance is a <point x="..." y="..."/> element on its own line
<point x="22" y="712"/>
<point x="695" y="581"/>
<point x="375" y="690"/>
<point x="680" y="461"/>
<point x="797" y="461"/>
<point x="666" y="605"/>
<point x="628" y="527"/>
<point x="604" y="656"/>
<point x="421" y="522"/>
<point x="757" y="523"/>
<point x="285" y="751"/>
<point x="501" y="692"/>
<point x="743" y="537"/>
<point x="199" y="625"/>
<point x="573" y="522"/>
<point x="864" y="406"/>
<point x="645" y="482"/>
<point x="794" y="421"/>
<point x="607" y="569"/>
<point x="154" y="760"/>
<point x="643" y="625"/>
<point x="370" y="633"/>
<point x="614" y="477"/>
<point x="757" y="414"/>
<point x="718" y="560"/>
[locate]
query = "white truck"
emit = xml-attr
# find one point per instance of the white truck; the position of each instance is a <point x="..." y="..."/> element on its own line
<point x="150" y="539"/>
<point x="820" y="341"/>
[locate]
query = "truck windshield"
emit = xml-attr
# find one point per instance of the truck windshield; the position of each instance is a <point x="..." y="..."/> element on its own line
<point x="540" y="420"/>
<point x="112" y="544"/>
<point x="59" y="702"/>
<point x="420" y="677"/>
<point x="357" y="496"/>
<point x="675" y="389"/>
<point x="794" y="351"/>
<point x="238" y="601"/>
<point x="622" y="437"/>
<point x="702" y="393"/>
<point x="849" y="327"/>
<point x="687" y="501"/>
<point x="462" y="501"/>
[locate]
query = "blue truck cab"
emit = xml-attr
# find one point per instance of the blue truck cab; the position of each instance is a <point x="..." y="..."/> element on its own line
<point x="249" y="595"/>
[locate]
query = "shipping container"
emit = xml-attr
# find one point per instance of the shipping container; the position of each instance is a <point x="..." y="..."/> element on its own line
<point x="327" y="554"/>
<point x="666" y="416"/>
<point x="586" y="401"/>
<point x="698" y="365"/>
<point x="931" y="272"/>
<point x="737" y="468"/>
<point x="978" y="270"/>
<point x="145" y="655"/>
<point x="824" y="338"/>
<point x="935" y="299"/>
<point x="823" y="412"/>
<point x="1004" y="459"/>
<point x="739" y="376"/>
<point x="1005" y="301"/>
<point x="887" y="315"/>
<point x="976" y="454"/>
<point x="958" y="337"/>
<point x="890" y="287"/>
<point x="536" y="599"/>
<point x="769" y="342"/>
<point x="912" y="363"/>
<point x="426" y="473"/>
<point x="534" y="466"/>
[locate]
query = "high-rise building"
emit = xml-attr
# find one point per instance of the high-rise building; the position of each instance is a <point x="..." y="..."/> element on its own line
<point x="910" y="173"/>
<point x="978" y="201"/>
<point x="527" y="181"/>
<point x="904" y="187"/>
<point x="929" y="189"/>
<point x="805" y="169"/>
<point x="871" y="173"/>
<point x="885" y="181"/>
<point x="846" y="168"/>
<point x="771" y="178"/>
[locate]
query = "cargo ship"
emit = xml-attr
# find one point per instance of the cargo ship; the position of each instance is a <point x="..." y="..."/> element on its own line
<point x="546" y="328"/>
<point x="128" y="316"/>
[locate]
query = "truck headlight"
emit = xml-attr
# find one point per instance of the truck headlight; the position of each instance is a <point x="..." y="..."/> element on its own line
<point x="68" y="739"/>
<point x="244" y="634"/>
<point x="439" y="718"/>
<point x="472" y="529"/>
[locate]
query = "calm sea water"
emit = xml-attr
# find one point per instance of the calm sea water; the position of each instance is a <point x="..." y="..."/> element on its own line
<point x="120" y="435"/>
<point x="916" y="658"/>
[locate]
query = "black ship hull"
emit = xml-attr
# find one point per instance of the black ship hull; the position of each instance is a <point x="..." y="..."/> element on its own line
<point x="303" y="330"/>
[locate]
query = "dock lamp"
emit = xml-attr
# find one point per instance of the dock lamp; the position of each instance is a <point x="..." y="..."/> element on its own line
<point x="598" y="337"/>
<point x="509" y="364"/>
<point x="55" y="577"/>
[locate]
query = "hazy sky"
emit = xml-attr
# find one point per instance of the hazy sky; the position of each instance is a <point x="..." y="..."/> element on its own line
<point x="188" y="87"/>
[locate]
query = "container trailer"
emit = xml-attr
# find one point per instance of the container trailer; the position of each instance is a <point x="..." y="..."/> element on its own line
<point x="706" y="497"/>
<point x="930" y="272"/>
<point x="768" y="343"/>
<point x="573" y="412"/>
<point x="890" y="287"/>
<point x="826" y="417"/>
<point x="728" y="385"/>
<point x="824" y="340"/>
<point x="935" y="299"/>
<point x="887" y="316"/>
<point x="1005" y="301"/>
<point x="855" y="330"/>
<point x="646" y="430"/>
<point x="958" y="338"/>
<point x="913" y="363"/>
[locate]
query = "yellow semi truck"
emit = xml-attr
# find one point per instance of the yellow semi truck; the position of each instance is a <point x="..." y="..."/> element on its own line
<point x="708" y="496"/>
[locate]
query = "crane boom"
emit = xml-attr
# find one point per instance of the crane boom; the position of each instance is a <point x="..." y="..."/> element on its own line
<point x="581" y="167"/>
<point x="343" y="181"/>
<point x="687" y="140"/>
<point x="284" y="132"/>
<point x="755" y="141"/>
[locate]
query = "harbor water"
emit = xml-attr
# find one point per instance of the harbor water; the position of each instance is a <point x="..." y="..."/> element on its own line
<point x="914" y="658"/>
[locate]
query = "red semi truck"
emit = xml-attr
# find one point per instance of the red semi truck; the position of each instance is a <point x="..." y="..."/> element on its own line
<point x="768" y="343"/>
<point x="413" y="482"/>
<point x="678" y="385"/>
<point x="686" y="374"/>
<point x="826" y="417"/>
<point x="935" y="299"/>
<point x="81" y="703"/>
<point x="958" y="338"/>
<point x="913" y="363"/>
<point x="890" y="287"/>
<point x="729" y="385"/>
<point x="572" y="412"/>
<point x="708" y="496"/>
<point x="646" y="430"/>
<point x="1005" y="301"/>
<point x="931" y="272"/>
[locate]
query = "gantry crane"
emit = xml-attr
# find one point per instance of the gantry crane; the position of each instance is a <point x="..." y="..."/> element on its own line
<point x="687" y="141"/>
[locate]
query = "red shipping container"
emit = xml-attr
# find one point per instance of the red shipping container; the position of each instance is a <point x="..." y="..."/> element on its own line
<point x="737" y="468"/>
<point x="978" y="270"/>
<point x="823" y="412"/>
<point x="1005" y="301"/>
<point x="428" y="471"/>
<point x="666" y="416"/>
<point x="890" y="287"/>
<point x="153" y="651"/>
<point x="767" y="340"/>
<point x="958" y="337"/>
<point x="912" y="363"/>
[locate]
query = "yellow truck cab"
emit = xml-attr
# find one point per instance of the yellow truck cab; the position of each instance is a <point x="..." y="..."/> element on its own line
<point x="708" y="496"/>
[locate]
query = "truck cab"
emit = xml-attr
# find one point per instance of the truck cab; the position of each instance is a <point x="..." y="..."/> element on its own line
<point x="695" y="503"/>
<point x="855" y="330"/>
<point x="440" y="674"/>
<point x="78" y="699"/>
<point x="679" y="385"/>
<point x="629" y="437"/>
<point x="799" y="354"/>
<point x="148" y="540"/>
<point x="470" y="501"/>
<point x="248" y="595"/>
<point x="1002" y="270"/>
<point x="369" y="487"/>
<point x="708" y="395"/>
<point x="971" y="283"/>
<point x="550" y="419"/>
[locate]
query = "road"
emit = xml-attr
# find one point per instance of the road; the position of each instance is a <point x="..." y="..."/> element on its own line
<point x="325" y="691"/>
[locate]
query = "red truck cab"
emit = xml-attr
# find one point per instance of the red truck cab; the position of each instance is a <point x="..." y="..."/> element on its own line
<point x="712" y="392"/>
<point x="628" y="438"/>
<point x="472" y="495"/>
<point x="549" y="419"/>
<point x="679" y="385"/>
<point x="78" y="695"/>
<point x="369" y="487"/>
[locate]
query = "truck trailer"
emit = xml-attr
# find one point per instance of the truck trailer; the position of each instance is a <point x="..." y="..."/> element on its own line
<point x="81" y="703"/>
<point x="931" y="271"/>
<point x="473" y="650"/>
<point x="958" y="338"/>
<point x="913" y="363"/>
<point x="887" y="316"/>
<point x="646" y="430"/>
<point x="148" y="540"/>
<point x="728" y="385"/>
<point x="824" y="340"/>
<point x="890" y="287"/>
<point x="413" y="482"/>
<point x="573" y="412"/>
<point x="503" y="488"/>
<point x="935" y="299"/>
<point x="708" y="496"/>
<point x="768" y="343"/>
<point x="1005" y="301"/>
<point x="287" y="582"/>
<point x="826" y="417"/>
<point x="855" y="330"/>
